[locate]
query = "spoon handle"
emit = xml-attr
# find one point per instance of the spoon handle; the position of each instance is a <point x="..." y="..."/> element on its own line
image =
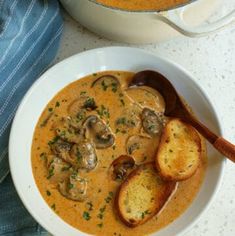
<point x="225" y="147"/>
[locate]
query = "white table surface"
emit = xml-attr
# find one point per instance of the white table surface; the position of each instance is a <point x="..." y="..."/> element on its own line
<point x="211" y="60"/>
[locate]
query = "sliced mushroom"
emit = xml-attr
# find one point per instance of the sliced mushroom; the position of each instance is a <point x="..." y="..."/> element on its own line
<point x="130" y="118"/>
<point x="107" y="82"/>
<point x="121" y="166"/>
<point x="152" y="123"/>
<point x="83" y="156"/>
<point x="58" y="170"/>
<point x="142" y="148"/>
<point x="66" y="130"/>
<point x="98" y="132"/>
<point x="146" y="97"/>
<point x="74" y="188"/>
<point x="61" y="148"/>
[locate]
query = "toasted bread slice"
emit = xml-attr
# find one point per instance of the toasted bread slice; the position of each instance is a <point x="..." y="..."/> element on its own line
<point x="179" y="151"/>
<point x="142" y="195"/>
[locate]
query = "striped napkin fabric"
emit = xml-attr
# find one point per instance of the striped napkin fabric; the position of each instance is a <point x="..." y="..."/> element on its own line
<point x="30" y="32"/>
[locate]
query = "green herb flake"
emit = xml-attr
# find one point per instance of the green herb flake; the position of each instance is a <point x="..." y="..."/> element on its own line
<point x="51" y="172"/>
<point x="122" y="102"/>
<point x="86" y="215"/>
<point x="50" y="109"/>
<point x="109" y="197"/>
<point x="70" y="186"/>
<point x="79" y="155"/>
<point x="53" y="206"/>
<point x="65" y="168"/>
<point x="57" y="104"/>
<point x="121" y="121"/>
<point x="101" y="213"/>
<point x="89" y="206"/>
<point x="104" y="86"/>
<point x="48" y="193"/>
<point x="143" y="214"/>
<point x="43" y="156"/>
<point x="45" y="121"/>
<point x="103" y="112"/>
<point x="114" y="87"/>
<point x="82" y="92"/>
<point x="117" y="131"/>
<point x="102" y="209"/>
<point x="54" y="140"/>
<point x="90" y="103"/>
<point x="100" y="225"/>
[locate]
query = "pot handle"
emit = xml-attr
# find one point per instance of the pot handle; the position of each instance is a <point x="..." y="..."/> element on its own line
<point x="175" y="19"/>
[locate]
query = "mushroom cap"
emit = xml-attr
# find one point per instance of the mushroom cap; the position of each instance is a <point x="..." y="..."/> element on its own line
<point x="151" y="122"/>
<point x="83" y="156"/>
<point x="74" y="188"/>
<point x="98" y="132"/>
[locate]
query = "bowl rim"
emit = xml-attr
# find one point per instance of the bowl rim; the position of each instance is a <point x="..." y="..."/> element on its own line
<point x="142" y="11"/>
<point x="117" y="48"/>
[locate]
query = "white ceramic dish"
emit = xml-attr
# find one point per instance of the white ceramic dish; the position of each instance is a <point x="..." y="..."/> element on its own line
<point x="73" y="68"/>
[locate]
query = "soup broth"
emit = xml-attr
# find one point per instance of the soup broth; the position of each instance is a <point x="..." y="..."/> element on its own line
<point x="119" y="108"/>
<point x="135" y="5"/>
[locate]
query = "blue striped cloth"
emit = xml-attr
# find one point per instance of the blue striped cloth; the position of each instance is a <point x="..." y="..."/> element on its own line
<point x="29" y="38"/>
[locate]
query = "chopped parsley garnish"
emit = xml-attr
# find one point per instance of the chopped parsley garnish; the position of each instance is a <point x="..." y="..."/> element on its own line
<point x="43" y="156"/>
<point x="90" y="104"/>
<point x="79" y="155"/>
<point x="70" y="186"/>
<point x="50" y="109"/>
<point x="51" y="172"/>
<point x="103" y="112"/>
<point x="54" y="140"/>
<point x="100" y="225"/>
<point x="44" y="123"/>
<point x="57" y="104"/>
<point x="82" y="92"/>
<point x="109" y="197"/>
<point x="104" y="86"/>
<point x="122" y="102"/>
<point x="89" y="206"/>
<point x="80" y="115"/>
<point x="65" y="168"/>
<point x="101" y="213"/>
<point x="86" y="215"/>
<point x="143" y="214"/>
<point x="53" y="206"/>
<point x="114" y="87"/>
<point x="48" y="193"/>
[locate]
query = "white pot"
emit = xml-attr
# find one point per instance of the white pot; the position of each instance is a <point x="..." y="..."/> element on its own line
<point x="145" y="26"/>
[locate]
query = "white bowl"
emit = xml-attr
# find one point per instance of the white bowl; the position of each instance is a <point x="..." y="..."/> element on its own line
<point x="73" y="68"/>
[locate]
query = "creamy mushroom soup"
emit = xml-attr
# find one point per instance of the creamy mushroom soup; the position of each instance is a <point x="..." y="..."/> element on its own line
<point x="87" y="140"/>
<point x="142" y="4"/>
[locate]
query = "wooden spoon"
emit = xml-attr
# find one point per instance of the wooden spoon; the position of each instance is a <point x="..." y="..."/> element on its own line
<point x="175" y="107"/>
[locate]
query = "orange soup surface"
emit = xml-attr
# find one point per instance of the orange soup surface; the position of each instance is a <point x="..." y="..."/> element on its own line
<point x="82" y="191"/>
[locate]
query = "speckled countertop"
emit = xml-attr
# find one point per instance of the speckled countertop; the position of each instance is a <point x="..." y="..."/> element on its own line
<point x="211" y="60"/>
